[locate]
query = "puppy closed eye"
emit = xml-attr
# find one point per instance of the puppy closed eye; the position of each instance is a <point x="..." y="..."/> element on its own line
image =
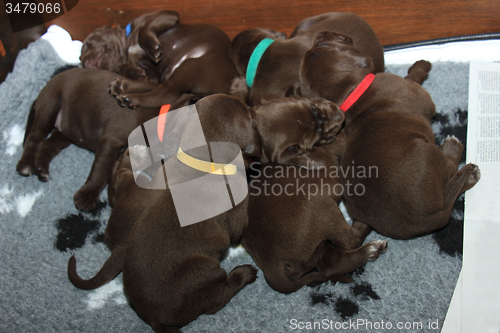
<point x="294" y="150"/>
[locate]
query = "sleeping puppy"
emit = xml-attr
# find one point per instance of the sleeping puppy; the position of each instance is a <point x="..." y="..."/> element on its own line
<point x="276" y="74"/>
<point x="186" y="58"/>
<point x="414" y="183"/>
<point x="134" y="51"/>
<point x="293" y="127"/>
<point x="296" y="233"/>
<point x="171" y="274"/>
<point x="74" y="107"/>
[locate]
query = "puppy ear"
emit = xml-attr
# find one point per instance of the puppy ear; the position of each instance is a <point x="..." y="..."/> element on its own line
<point x="239" y="88"/>
<point x="253" y="118"/>
<point x="327" y="38"/>
<point x="294" y="90"/>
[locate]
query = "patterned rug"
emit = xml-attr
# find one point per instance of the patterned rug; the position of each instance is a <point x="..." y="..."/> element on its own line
<point x="408" y="288"/>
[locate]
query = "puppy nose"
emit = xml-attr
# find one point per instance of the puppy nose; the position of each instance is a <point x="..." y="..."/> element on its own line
<point x="88" y="64"/>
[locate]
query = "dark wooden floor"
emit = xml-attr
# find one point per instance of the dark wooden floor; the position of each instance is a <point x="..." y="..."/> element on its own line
<point x="394" y="21"/>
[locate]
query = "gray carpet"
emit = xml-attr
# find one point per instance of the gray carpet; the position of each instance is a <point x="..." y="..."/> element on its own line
<point x="40" y="229"/>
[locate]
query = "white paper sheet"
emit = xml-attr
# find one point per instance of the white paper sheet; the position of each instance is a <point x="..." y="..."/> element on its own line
<point x="478" y="292"/>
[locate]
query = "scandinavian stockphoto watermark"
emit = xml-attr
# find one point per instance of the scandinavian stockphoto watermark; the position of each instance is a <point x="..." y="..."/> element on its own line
<point x="205" y="179"/>
<point x="364" y="325"/>
<point x="309" y="181"/>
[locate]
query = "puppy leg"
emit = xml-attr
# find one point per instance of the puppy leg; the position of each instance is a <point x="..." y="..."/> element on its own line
<point x="335" y="262"/>
<point x="419" y="71"/>
<point x="344" y="236"/>
<point x="155" y="98"/>
<point x="41" y="120"/>
<point x="452" y="148"/>
<point x="191" y="76"/>
<point x="155" y="26"/>
<point x="132" y="72"/>
<point x="120" y="86"/>
<point x="461" y="181"/>
<point x="108" y="150"/>
<point x="49" y="149"/>
<point x="185" y="100"/>
<point x="238" y="278"/>
<point x="289" y="276"/>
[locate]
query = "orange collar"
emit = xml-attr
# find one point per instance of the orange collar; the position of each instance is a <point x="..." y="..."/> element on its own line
<point x="162" y="118"/>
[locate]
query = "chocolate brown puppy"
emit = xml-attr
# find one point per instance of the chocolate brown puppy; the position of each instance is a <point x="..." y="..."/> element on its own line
<point x="177" y="58"/>
<point x="414" y="183"/>
<point x="172" y="274"/>
<point x="133" y="51"/>
<point x="277" y="71"/>
<point x="74" y="107"/>
<point x="293" y="127"/>
<point x="296" y="233"/>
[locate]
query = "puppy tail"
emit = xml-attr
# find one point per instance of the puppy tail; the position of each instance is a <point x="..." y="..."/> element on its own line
<point x="111" y="268"/>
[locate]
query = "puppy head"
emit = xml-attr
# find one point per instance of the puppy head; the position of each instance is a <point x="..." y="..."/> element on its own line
<point x="331" y="66"/>
<point x="291" y="128"/>
<point x="227" y="119"/>
<point x="244" y="43"/>
<point x="104" y="48"/>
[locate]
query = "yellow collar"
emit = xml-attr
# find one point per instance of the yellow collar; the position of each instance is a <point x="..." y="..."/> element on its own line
<point x="204" y="166"/>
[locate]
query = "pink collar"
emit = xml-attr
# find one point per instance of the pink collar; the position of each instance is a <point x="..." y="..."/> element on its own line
<point x="356" y="94"/>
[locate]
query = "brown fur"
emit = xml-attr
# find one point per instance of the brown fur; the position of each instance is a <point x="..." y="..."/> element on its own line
<point x="134" y="56"/>
<point x="291" y="128"/>
<point x="74" y="107"/>
<point x="278" y="71"/>
<point x="171" y="273"/>
<point x="162" y="59"/>
<point x="416" y="183"/>
<point x="299" y="236"/>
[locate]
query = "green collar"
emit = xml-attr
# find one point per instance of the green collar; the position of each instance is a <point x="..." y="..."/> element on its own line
<point x="257" y="54"/>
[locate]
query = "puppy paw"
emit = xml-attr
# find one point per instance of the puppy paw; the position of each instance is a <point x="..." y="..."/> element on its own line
<point x="124" y="101"/>
<point x="422" y="65"/>
<point x="452" y="149"/>
<point x="474" y="176"/>
<point x="115" y="88"/>
<point x="376" y="248"/>
<point x="139" y="75"/>
<point x="43" y="174"/>
<point x="85" y="199"/>
<point x="155" y="53"/>
<point x="245" y="273"/>
<point x="419" y="72"/>
<point x="25" y="168"/>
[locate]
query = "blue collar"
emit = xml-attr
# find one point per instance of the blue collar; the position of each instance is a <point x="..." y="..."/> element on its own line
<point x="253" y="63"/>
<point x="128" y="29"/>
